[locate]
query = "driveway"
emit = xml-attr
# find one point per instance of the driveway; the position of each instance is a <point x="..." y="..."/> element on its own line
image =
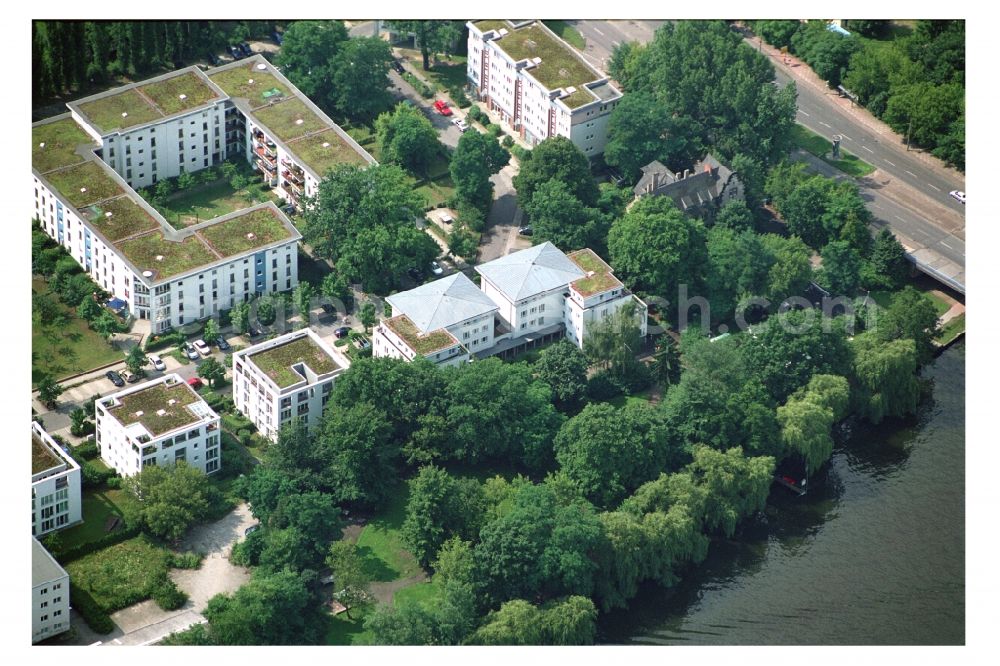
<point x="500" y="237"/>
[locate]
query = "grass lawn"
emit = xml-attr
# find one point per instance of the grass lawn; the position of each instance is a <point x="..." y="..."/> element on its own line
<point x="438" y="191"/>
<point x="622" y="400"/>
<point x="884" y="300"/>
<point x="381" y="542"/>
<point x="951" y="330"/>
<point x="98" y="505"/>
<point x="567" y="32"/>
<point x="349" y="632"/>
<point x="819" y="146"/>
<point x="120" y="575"/>
<point x="426" y="594"/>
<point x="448" y="74"/>
<point x="208" y="201"/>
<point x="64" y="349"/>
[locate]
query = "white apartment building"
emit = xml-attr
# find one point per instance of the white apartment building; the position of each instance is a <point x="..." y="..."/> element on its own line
<point x="158" y="423"/>
<point x="444" y="321"/>
<point x="86" y="164"/>
<point x="532" y="296"/>
<point x="288" y="377"/>
<point x="538" y="84"/>
<point x="55" y="485"/>
<point x="49" y="594"/>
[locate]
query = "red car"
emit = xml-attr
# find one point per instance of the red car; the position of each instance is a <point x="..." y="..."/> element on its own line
<point x="442" y="107"/>
<point x="195" y="383"/>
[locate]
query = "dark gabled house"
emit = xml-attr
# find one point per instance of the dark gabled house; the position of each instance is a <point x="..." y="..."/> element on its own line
<point x="700" y="191"/>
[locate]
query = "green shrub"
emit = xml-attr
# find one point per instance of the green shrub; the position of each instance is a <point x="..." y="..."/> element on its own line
<point x="115" y="482"/>
<point x="94" y="476"/>
<point x="603" y="386"/>
<point x="172" y="339"/>
<point x="507" y="142"/>
<point x="110" y="539"/>
<point x="167" y="596"/>
<point x="495" y="130"/>
<point x="460" y="98"/>
<point x="87" y="451"/>
<point x="247" y="552"/>
<point x="91" y="612"/>
<point x="188" y="560"/>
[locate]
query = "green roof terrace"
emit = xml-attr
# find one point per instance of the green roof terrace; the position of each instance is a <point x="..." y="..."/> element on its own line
<point x="178" y="93"/>
<point x="119" y="111"/>
<point x="42" y="457"/>
<point x="422" y="344"/>
<point x="258" y="86"/>
<point x="166" y="258"/>
<point x="559" y="68"/>
<point x="290" y="119"/>
<point x="84" y="184"/>
<point x="599" y="278"/>
<point x="53" y="145"/>
<point x="119" y="218"/>
<point x="277" y="362"/>
<point x="485" y="25"/>
<point x="323" y="150"/>
<point x="245" y="231"/>
<point x="160" y="407"/>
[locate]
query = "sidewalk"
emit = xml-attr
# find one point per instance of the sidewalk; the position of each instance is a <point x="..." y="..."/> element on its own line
<point x="801" y="73"/>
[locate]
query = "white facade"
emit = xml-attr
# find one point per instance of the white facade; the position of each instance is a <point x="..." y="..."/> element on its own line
<point x="389" y="341"/>
<point x="158" y="423"/>
<point x="55" y="485"/>
<point x="49" y="594"/>
<point x="300" y="390"/>
<point x="579" y="112"/>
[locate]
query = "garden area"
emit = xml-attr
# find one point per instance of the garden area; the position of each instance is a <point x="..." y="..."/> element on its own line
<point x="809" y="141"/>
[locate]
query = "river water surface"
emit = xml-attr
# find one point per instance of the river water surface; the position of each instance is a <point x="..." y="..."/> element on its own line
<point x="873" y="554"/>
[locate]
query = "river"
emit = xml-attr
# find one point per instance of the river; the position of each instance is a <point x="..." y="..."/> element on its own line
<point x="874" y="554"/>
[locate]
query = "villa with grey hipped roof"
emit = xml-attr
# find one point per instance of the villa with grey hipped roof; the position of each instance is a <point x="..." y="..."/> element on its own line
<point x="88" y="163"/>
<point x="525" y="298"/>
<point x="699" y="192"/>
<point x="538" y="84"/>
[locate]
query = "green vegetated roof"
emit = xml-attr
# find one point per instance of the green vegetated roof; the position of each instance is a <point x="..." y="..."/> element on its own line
<point x="175" y="256"/>
<point x="277" y="362"/>
<point x="601" y="280"/>
<point x="106" y="112"/>
<point x="53" y="145"/>
<point x="486" y="25"/>
<point x="579" y="98"/>
<point x="166" y="94"/>
<point x="154" y="398"/>
<point x="246" y="231"/>
<point x="284" y="119"/>
<point x="421" y="344"/>
<point x="236" y="82"/>
<point x="323" y="150"/>
<point x="41" y="457"/>
<point x="559" y="68"/>
<point x="127" y="218"/>
<point x="84" y="184"/>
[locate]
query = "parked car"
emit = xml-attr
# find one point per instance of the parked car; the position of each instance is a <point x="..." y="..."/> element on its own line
<point x="247" y="51"/>
<point x="250" y="530"/>
<point x="157" y="362"/>
<point x="436" y="268"/>
<point x="446" y="218"/>
<point x="115" y="378"/>
<point x="195" y="383"/>
<point x="130" y="377"/>
<point x="223" y="345"/>
<point x="276" y="36"/>
<point x="958" y="194"/>
<point x="235" y="51"/>
<point x="398" y="66"/>
<point x="442" y="107"/>
<point x="202" y="348"/>
<point x="341" y="332"/>
<point x="415" y="273"/>
<point x="525" y="231"/>
<point x="254" y="332"/>
<point x="191" y="352"/>
<point x="460" y="124"/>
<point x="329" y="309"/>
<point x="361" y="342"/>
<point x="212" y="60"/>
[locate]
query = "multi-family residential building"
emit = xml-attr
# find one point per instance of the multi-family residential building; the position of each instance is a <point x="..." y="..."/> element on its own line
<point x="86" y="164"/>
<point x="158" y="423"/>
<point x="444" y="321"/>
<point x="524" y="299"/>
<point x="700" y="191"/>
<point x="49" y="594"/>
<point x="55" y="485"/>
<point x="288" y="377"/>
<point x="538" y="84"/>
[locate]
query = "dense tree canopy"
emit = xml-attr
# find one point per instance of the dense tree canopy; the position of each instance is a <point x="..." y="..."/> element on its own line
<point x="307" y="52"/>
<point x="438" y="508"/>
<point x="642" y="130"/>
<point x="564" y="368"/>
<point x="431" y="36"/>
<point x="559" y="217"/>
<point x="360" y="83"/>
<point x="911" y="314"/>
<point x="572" y="621"/>
<point x="477" y="157"/>
<point x="556" y="158"/>
<point x="886" y="374"/>
<point x="172" y="498"/>
<point x="406" y="137"/>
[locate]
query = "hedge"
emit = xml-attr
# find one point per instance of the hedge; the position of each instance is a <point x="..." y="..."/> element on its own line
<point x="86" y="451"/>
<point x="155" y="342"/>
<point x="167" y="596"/>
<point x="91" y="612"/>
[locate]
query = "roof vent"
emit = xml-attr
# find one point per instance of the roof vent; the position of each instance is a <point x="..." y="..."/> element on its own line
<point x="326" y="144"/>
<point x="147" y="274"/>
<point x="139" y="413"/>
<point x="571" y="90"/>
<point x="159" y="257"/>
<point x="590" y="273"/>
<point x="83" y="189"/>
<point x="250" y="236"/>
<point x="41" y="145"/>
<point x="183" y="96"/>
<point x="170" y="402"/>
<point x="261" y="66"/>
<point x="161" y="412"/>
<point x="298" y="122"/>
<point x="531" y="44"/>
<point x="563" y="71"/>
<point x="108" y="214"/>
<point x="249" y="80"/>
<point x="536" y="60"/>
<point x="502" y="31"/>
<point x="124" y="114"/>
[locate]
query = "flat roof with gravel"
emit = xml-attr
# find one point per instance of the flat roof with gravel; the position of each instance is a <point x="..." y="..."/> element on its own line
<point x="144" y="406"/>
<point x="429" y="343"/>
<point x="277" y="362"/>
<point x="54" y="144"/>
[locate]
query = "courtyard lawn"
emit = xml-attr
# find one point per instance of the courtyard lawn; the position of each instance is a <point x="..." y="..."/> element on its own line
<point x="98" y="506"/>
<point x="68" y="348"/>
<point x="622" y="400"/>
<point x="342" y="631"/>
<point x="121" y="575"/>
<point x="208" y="201"/>
<point x="381" y="542"/>
<point x="819" y="146"/>
<point x="426" y="594"/>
